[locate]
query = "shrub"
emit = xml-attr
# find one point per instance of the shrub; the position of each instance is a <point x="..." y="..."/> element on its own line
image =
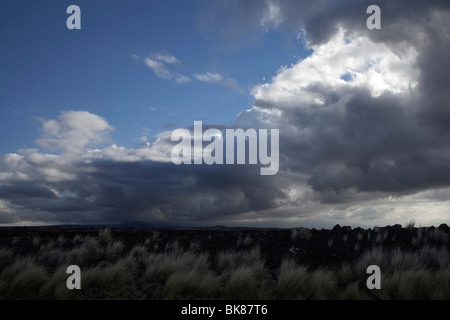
<point x="440" y="236"/>
<point x="160" y="266"/>
<point x="91" y="249"/>
<point x="56" y="288"/>
<point x="28" y="283"/>
<point x="183" y="285"/>
<point x="22" y="279"/>
<point x="292" y="280"/>
<point x="242" y="284"/>
<point x="6" y="257"/>
<point x="360" y="236"/>
<point x="61" y="240"/>
<point x="111" y="272"/>
<point x="106" y="283"/>
<point x="19" y="265"/>
<point x="230" y="260"/>
<point x="330" y="242"/>
<point x="77" y="240"/>
<point x="401" y="261"/>
<point x="105" y="236"/>
<point x="353" y="291"/>
<point x="226" y="261"/>
<point x="300" y="234"/>
<point x="155" y="235"/>
<point x="441" y="288"/>
<point x="51" y="257"/>
<point x="322" y="285"/>
<point x="139" y="253"/>
<point x="36" y="241"/>
<point x="406" y="285"/>
<point x="246" y="242"/>
<point x="113" y="250"/>
<point x="410" y="225"/>
<point x="375" y="256"/>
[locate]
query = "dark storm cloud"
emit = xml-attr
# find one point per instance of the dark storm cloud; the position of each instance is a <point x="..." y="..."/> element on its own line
<point x="7" y="218"/>
<point x="375" y="146"/>
<point x="238" y="21"/>
<point x="116" y="184"/>
<point x="170" y="193"/>
<point x="148" y="191"/>
<point x="24" y="190"/>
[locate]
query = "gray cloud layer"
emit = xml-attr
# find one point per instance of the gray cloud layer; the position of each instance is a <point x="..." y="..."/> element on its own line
<point x="382" y="130"/>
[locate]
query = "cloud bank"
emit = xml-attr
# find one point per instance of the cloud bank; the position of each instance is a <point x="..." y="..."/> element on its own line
<point x="364" y="132"/>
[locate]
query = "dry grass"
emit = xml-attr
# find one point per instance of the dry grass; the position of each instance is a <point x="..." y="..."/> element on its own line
<point x="300" y="234"/>
<point x="244" y="242"/>
<point x="292" y="280"/>
<point x="112" y="271"/>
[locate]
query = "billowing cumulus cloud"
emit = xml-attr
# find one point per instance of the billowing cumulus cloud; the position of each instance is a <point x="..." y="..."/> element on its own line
<point x="357" y="113"/>
<point x="73" y="130"/>
<point x="365" y="116"/>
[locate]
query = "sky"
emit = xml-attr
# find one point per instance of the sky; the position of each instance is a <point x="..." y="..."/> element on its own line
<point x="86" y="115"/>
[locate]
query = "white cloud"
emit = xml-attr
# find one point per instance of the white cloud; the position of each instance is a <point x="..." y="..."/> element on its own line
<point x="180" y="78"/>
<point x="73" y="130"/>
<point x="272" y="15"/>
<point x="167" y="58"/>
<point x="346" y="113"/>
<point x="216" y="78"/>
<point x="158" y="68"/>
<point x="208" y="77"/>
<point x="73" y="133"/>
<point x="340" y="64"/>
<point x="44" y="167"/>
<point x="159" y="64"/>
<point x="157" y="151"/>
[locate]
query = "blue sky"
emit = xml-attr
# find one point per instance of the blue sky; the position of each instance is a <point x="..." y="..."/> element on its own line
<point x="47" y="68"/>
<point x="86" y="115"/>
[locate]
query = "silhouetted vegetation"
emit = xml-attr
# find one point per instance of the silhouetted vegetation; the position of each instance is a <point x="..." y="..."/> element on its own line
<point x="234" y="264"/>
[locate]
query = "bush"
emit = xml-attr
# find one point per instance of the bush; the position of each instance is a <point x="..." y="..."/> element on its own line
<point x="300" y="234"/>
<point x="6" y="257"/>
<point x="109" y="271"/>
<point x="105" y="236"/>
<point x="242" y="284"/>
<point x="292" y="280"/>
<point x="27" y="284"/>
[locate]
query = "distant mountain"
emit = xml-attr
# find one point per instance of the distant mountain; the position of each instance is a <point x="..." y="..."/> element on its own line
<point x="129" y="224"/>
<point x="147" y="225"/>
